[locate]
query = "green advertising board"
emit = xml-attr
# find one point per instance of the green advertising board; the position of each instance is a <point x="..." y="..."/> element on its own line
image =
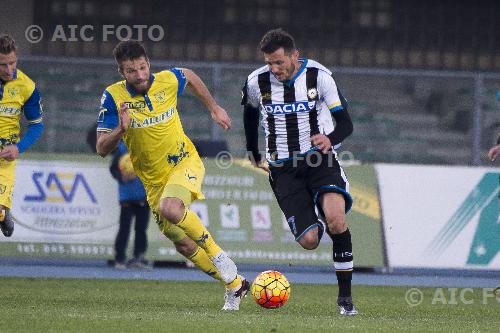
<point x="243" y="216"/>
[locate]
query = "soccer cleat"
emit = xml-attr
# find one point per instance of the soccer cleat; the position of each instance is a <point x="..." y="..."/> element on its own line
<point x="233" y="297"/>
<point x="6" y="223"/>
<point x="346" y="308"/>
<point x="226" y="267"/>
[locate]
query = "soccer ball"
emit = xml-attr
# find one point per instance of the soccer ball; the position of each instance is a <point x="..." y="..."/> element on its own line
<point x="126" y="167"/>
<point x="271" y="289"/>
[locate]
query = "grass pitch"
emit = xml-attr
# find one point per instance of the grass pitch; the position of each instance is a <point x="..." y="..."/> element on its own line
<point x="73" y="305"/>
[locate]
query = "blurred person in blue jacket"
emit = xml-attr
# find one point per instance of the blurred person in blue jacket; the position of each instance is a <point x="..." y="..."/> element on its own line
<point x="132" y="198"/>
<point x="133" y="203"/>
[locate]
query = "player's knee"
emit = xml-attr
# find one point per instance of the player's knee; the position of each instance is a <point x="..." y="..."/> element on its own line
<point x="186" y="247"/>
<point x="172" y="209"/>
<point x="309" y="241"/>
<point x="336" y="223"/>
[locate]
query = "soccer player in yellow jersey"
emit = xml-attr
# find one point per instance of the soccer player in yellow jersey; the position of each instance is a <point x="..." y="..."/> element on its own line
<point x="142" y="110"/>
<point x="18" y="95"/>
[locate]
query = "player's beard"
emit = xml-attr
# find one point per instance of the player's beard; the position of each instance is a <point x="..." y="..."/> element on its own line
<point x="141" y="87"/>
<point x="288" y="73"/>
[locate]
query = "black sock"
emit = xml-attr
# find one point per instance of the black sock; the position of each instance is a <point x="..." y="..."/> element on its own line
<point x="342" y="260"/>
<point x="344" y="280"/>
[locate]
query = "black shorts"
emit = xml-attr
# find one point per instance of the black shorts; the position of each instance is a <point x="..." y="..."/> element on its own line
<point x="298" y="183"/>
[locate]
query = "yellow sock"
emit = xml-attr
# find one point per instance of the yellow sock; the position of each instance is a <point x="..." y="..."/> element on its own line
<point x="194" y="228"/>
<point x="201" y="260"/>
<point x="236" y="283"/>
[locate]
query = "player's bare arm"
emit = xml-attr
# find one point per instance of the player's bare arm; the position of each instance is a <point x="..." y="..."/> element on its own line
<point x="108" y="141"/>
<point x="9" y="153"/>
<point x="494" y="152"/>
<point x="200" y="90"/>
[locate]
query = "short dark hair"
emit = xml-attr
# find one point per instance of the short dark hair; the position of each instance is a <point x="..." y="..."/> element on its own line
<point x="129" y="50"/>
<point x="7" y="44"/>
<point x="275" y="39"/>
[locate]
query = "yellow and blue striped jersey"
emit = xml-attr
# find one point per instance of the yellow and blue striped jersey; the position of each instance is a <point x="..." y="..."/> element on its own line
<point x="155" y="138"/>
<point x="18" y="96"/>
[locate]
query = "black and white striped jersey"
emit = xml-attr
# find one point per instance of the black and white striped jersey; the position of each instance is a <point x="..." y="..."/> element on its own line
<point x="292" y="111"/>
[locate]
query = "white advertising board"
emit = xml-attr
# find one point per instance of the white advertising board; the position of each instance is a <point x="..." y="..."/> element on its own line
<point x="440" y="217"/>
<point x="64" y="202"/>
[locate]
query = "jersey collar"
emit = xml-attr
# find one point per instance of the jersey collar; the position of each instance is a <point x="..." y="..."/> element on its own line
<point x="292" y="80"/>
<point x="131" y="89"/>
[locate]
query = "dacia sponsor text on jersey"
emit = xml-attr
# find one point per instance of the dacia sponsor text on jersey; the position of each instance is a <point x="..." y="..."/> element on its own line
<point x="290" y="107"/>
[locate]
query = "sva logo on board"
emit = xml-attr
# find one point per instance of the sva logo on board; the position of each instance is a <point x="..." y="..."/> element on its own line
<point x="59" y="187"/>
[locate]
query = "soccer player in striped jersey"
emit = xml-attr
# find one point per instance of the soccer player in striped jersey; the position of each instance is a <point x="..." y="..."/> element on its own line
<point x="18" y="96"/>
<point x="142" y="110"/>
<point x="296" y="99"/>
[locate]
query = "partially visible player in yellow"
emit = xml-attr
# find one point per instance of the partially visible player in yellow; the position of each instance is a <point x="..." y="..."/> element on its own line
<point x="142" y="110"/>
<point x="18" y="96"/>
